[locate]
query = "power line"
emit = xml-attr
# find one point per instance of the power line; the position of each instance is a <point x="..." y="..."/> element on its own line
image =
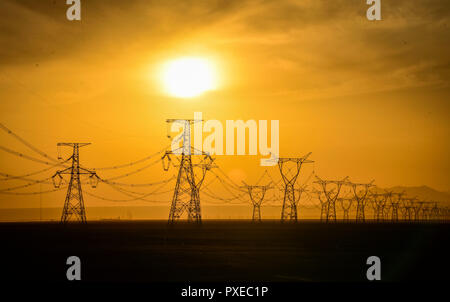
<point x="26" y="156"/>
<point x="133" y="172"/>
<point x="34" y="193"/>
<point x="134" y="198"/>
<point x="4" y="128"/>
<point x="23" y="177"/>
<point x="27" y="185"/>
<point x="135" y="185"/>
<point x="131" y="163"/>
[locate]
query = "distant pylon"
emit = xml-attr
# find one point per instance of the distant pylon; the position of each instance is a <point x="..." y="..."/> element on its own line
<point x="379" y="201"/>
<point x="346" y="204"/>
<point x="386" y="211"/>
<point x="417" y="207"/>
<point x="186" y="196"/>
<point x="323" y="204"/>
<point x="289" y="209"/>
<point x="256" y="194"/>
<point x="331" y="199"/>
<point x="404" y="209"/>
<point x="426" y="211"/>
<point x="74" y="209"/>
<point x="435" y="211"/>
<point x="408" y="205"/>
<point x="396" y="199"/>
<point x="386" y="207"/>
<point x="360" y="197"/>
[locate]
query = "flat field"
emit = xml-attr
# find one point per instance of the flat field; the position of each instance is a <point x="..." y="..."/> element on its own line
<point x="142" y="251"/>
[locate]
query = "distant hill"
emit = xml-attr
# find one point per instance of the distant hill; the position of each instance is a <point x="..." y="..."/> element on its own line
<point x="423" y="193"/>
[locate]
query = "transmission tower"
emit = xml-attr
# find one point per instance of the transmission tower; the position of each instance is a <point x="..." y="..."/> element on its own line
<point x="186" y="196"/>
<point x="74" y="209"/>
<point x="346" y="204"/>
<point x="289" y="209"/>
<point x="386" y="211"/>
<point x="360" y="197"/>
<point x="408" y="205"/>
<point x="323" y="204"/>
<point x="417" y="207"/>
<point x="378" y="200"/>
<point x="435" y="211"/>
<point x="443" y="214"/>
<point x="386" y="205"/>
<point x="331" y="199"/>
<point x="426" y="211"/>
<point x="256" y="194"/>
<point x="396" y="199"/>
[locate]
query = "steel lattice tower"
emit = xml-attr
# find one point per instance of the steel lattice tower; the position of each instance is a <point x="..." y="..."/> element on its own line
<point x="323" y="205"/>
<point x="396" y="199"/>
<point x="331" y="199"/>
<point x="346" y="204"/>
<point x="74" y="209"/>
<point x="360" y="197"/>
<point x="379" y="201"/>
<point x="289" y="209"/>
<point x="408" y="205"/>
<point x="256" y="194"/>
<point x="417" y="206"/>
<point x="426" y="212"/>
<point x="186" y="196"/>
<point x="435" y="211"/>
<point x="386" y="211"/>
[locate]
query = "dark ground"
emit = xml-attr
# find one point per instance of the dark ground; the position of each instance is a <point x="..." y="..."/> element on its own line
<point x="224" y="251"/>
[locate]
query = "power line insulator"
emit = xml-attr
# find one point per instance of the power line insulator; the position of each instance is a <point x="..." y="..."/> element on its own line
<point x="93" y="180"/>
<point x="166" y="161"/>
<point x="57" y="180"/>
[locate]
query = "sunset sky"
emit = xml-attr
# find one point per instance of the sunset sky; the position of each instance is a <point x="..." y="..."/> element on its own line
<point x="369" y="99"/>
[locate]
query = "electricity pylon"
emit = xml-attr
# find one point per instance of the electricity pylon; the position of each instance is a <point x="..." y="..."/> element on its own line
<point x="289" y="209"/>
<point x="417" y="207"/>
<point x="346" y="204"/>
<point x="435" y="211"/>
<point x="379" y="201"/>
<point x="323" y="204"/>
<point x="387" y="205"/>
<point x="256" y="194"/>
<point x="403" y="211"/>
<point x="186" y="195"/>
<point x="386" y="211"/>
<point x="360" y="197"/>
<point x="396" y="198"/>
<point x="74" y="204"/>
<point x="331" y="199"/>
<point x="408" y="204"/>
<point x="443" y="214"/>
<point x="426" y="211"/>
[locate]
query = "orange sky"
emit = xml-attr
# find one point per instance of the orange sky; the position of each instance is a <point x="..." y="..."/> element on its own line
<point x="369" y="99"/>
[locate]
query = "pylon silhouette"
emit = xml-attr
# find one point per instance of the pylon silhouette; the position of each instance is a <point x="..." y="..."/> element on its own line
<point x="186" y="196"/>
<point x="323" y="204"/>
<point x="360" y="197"/>
<point x="378" y="200"/>
<point x="256" y="194"/>
<point x="408" y="205"/>
<point x="435" y="211"/>
<point x="346" y="204"/>
<point x="74" y="209"/>
<point x="417" y="207"/>
<point x="396" y="199"/>
<point x="331" y="199"/>
<point x="289" y="208"/>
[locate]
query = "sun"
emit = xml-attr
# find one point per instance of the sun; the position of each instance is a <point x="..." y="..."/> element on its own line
<point x="189" y="77"/>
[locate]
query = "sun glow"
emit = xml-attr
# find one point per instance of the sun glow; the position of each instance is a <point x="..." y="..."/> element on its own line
<point x="189" y="77"/>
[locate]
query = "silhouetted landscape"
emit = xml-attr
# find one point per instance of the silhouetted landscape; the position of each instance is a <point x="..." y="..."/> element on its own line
<point x="224" y="251"/>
